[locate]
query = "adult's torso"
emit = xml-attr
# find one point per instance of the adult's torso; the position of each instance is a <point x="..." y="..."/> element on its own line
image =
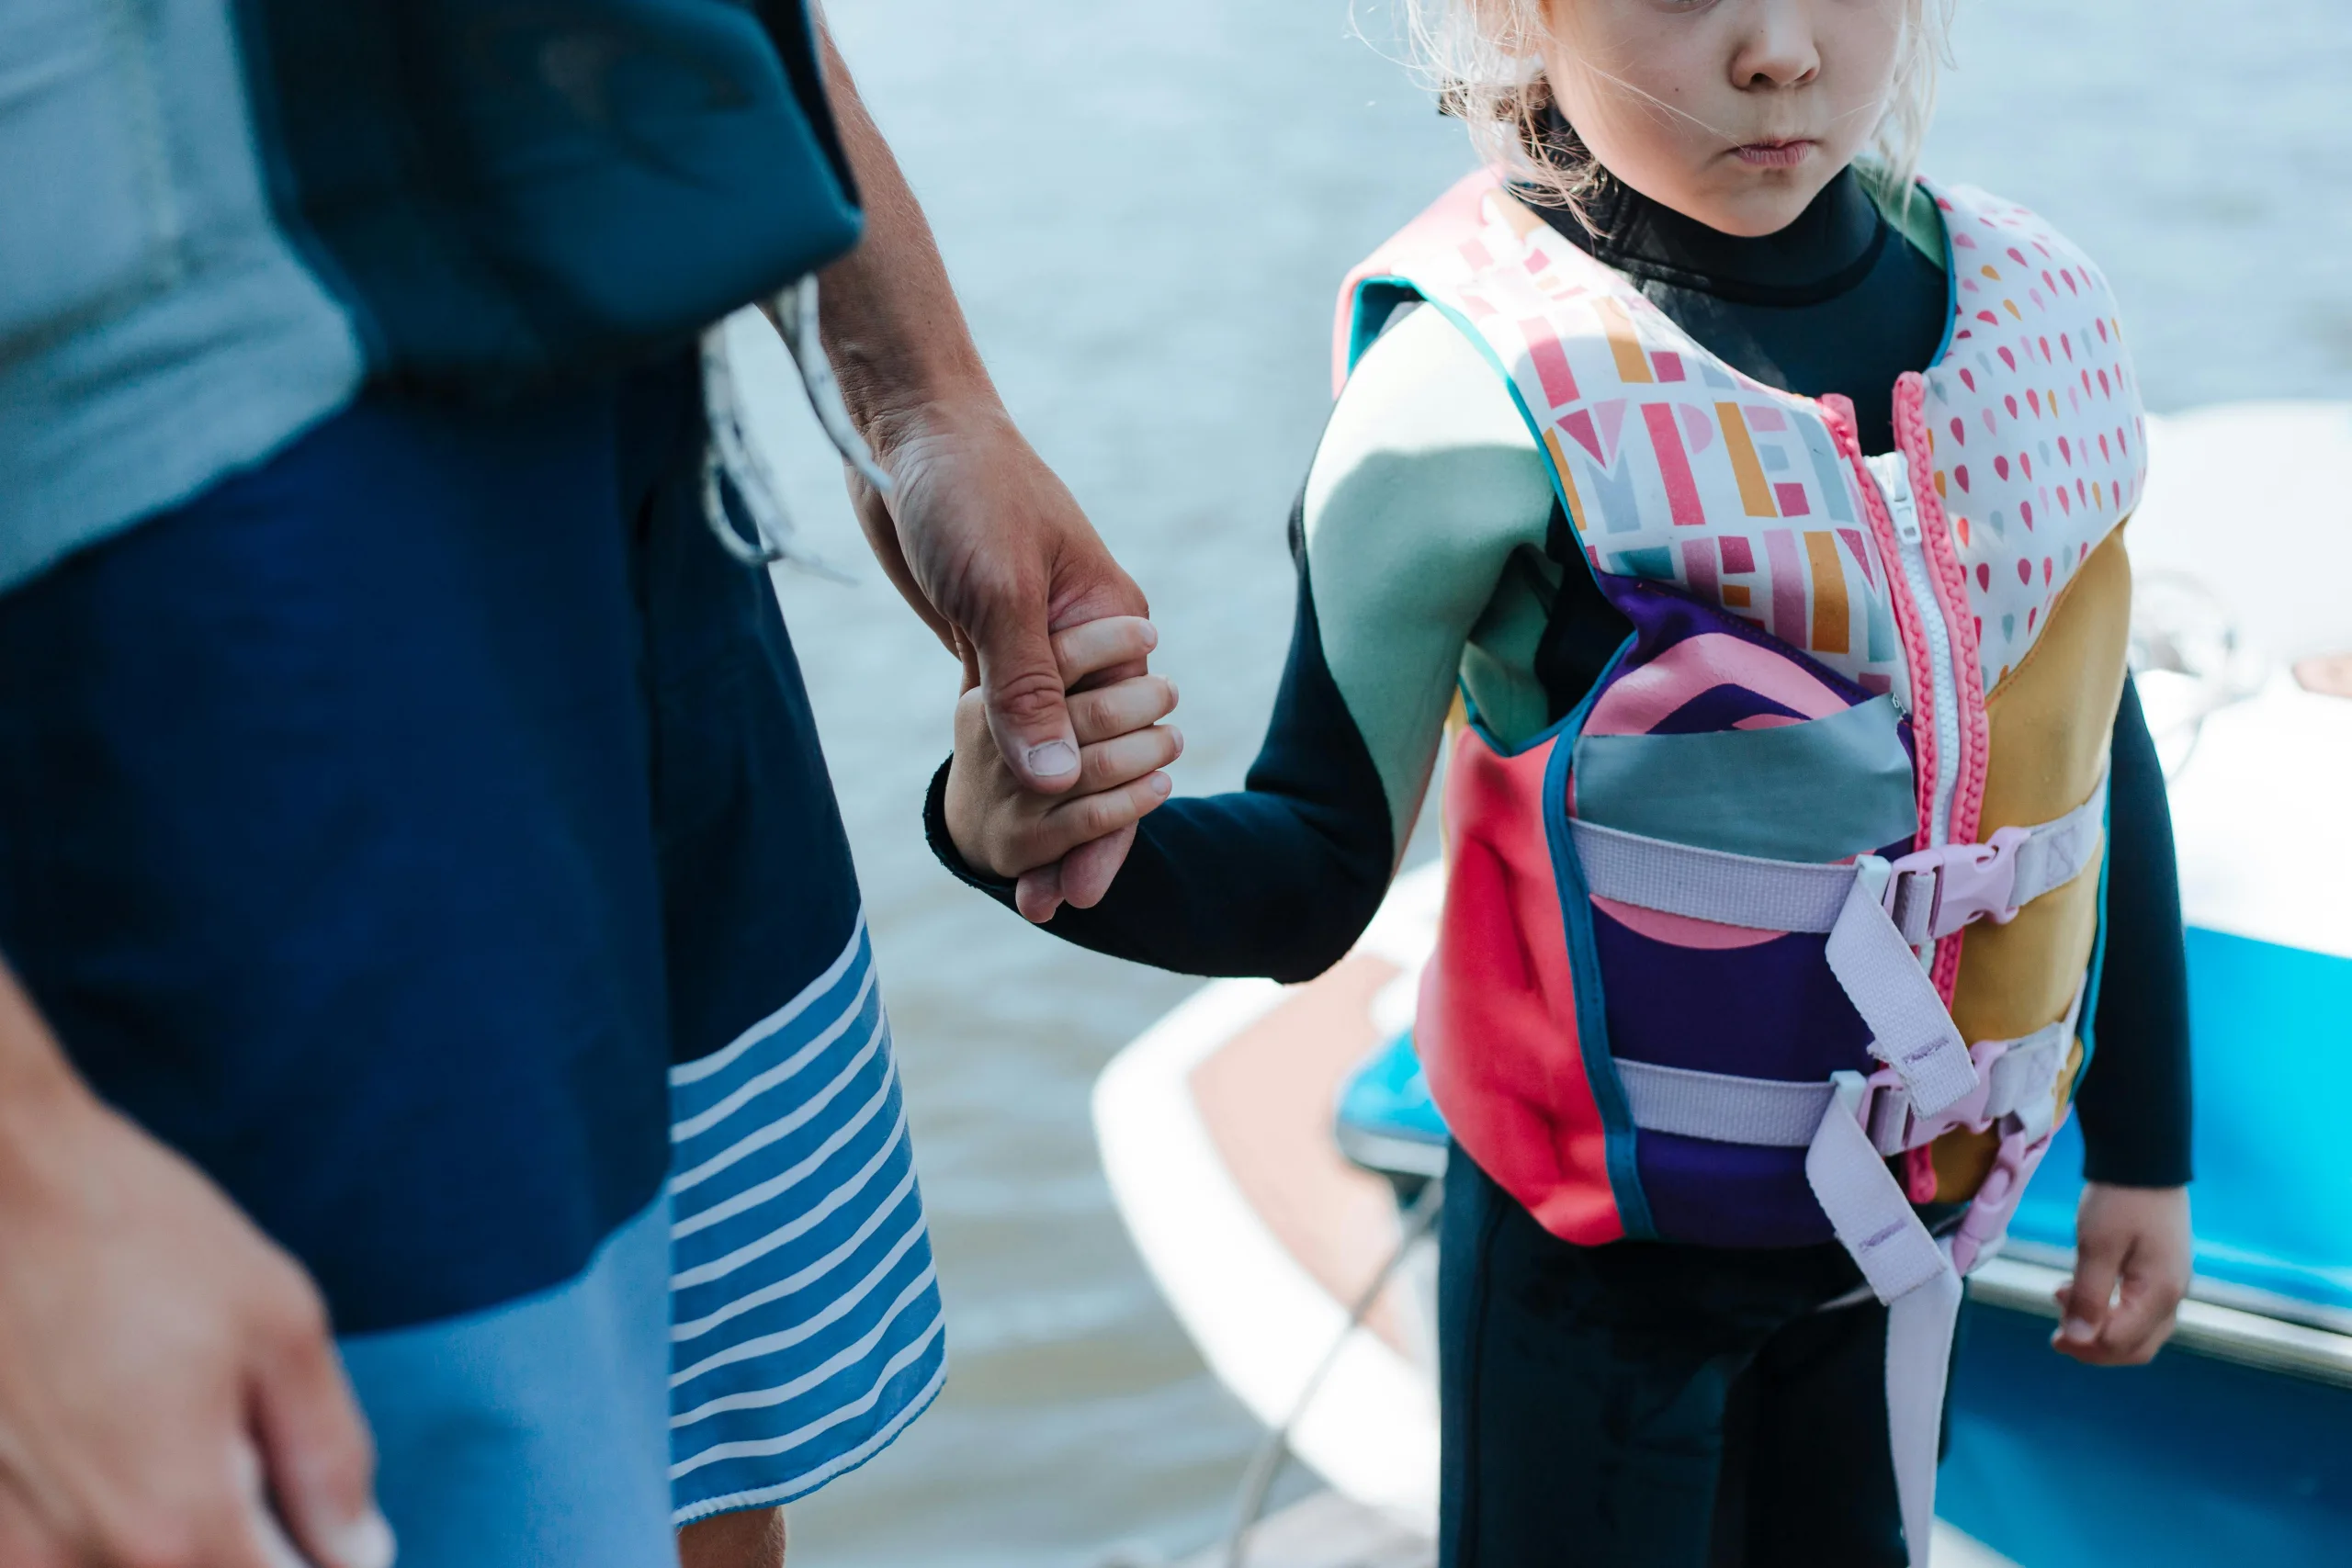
<point x="217" y="221"/>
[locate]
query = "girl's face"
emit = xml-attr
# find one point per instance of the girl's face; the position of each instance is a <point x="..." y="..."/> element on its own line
<point x="1734" y="112"/>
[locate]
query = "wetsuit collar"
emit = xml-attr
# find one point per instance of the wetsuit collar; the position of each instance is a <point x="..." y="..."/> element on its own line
<point x="1825" y="251"/>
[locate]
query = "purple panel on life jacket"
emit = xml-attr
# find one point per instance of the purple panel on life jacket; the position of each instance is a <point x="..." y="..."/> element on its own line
<point x="1782" y="681"/>
<point x="1663" y="616"/>
<point x="1770" y="1011"/>
<point x="1715" y="999"/>
<point x="1722" y="707"/>
<point x="1726" y="1195"/>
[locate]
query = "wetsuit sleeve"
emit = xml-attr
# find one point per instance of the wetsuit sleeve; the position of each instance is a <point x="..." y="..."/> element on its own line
<point x="1424" y="486"/>
<point x="2134" y="1100"/>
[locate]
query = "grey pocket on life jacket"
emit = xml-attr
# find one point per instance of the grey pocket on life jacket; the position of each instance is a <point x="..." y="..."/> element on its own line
<point x="90" y="227"/>
<point x="1818" y="790"/>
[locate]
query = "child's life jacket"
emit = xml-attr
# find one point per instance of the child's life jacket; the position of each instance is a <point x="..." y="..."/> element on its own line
<point x="1787" y="927"/>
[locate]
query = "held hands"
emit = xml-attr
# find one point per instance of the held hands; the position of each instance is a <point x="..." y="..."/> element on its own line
<point x="989" y="548"/>
<point x="2132" y="1267"/>
<point x="1005" y="828"/>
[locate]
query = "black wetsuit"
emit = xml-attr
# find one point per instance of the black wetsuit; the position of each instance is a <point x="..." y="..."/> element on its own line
<point x="1644" y="1403"/>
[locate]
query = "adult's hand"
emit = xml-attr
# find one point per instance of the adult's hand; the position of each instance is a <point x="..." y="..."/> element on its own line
<point x="991" y="548"/>
<point x="169" y="1393"/>
<point x="986" y="545"/>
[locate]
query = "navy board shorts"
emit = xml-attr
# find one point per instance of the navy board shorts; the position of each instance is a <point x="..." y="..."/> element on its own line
<point x="425" y="832"/>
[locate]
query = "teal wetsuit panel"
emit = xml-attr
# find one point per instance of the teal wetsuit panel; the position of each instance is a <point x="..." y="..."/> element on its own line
<point x="1758" y="792"/>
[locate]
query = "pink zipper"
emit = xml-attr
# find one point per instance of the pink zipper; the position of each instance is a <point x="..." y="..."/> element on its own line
<point x="1949" y="579"/>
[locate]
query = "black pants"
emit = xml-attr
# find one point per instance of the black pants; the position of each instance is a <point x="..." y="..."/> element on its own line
<point x="1650" y="1405"/>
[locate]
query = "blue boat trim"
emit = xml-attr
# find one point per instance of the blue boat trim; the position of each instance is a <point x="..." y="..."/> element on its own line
<point x="2054" y="1462"/>
<point x="2267" y="1140"/>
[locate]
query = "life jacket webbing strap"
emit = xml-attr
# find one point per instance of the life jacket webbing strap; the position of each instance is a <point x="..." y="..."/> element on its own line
<point x="1709" y="885"/>
<point x="1937" y="892"/>
<point x="1723" y="1108"/>
<point x="1883" y="978"/>
<point x="2015" y="1078"/>
<point x="1805" y="896"/>
<point x="2018" y="1077"/>
<point x="1907" y="1270"/>
<point x="1875" y="959"/>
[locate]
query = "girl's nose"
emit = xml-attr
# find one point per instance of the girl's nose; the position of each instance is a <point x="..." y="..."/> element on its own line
<point x="1776" y="47"/>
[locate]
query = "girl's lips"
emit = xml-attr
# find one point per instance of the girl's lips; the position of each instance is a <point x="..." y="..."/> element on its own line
<point x="1774" y="154"/>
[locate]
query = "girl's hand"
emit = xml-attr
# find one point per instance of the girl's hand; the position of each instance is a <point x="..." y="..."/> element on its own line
<point x="1003" y="829"/>
<point x="2132" y="1267"/>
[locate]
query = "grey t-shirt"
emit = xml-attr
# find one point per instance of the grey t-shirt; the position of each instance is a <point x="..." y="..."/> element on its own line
<point x="157" y="332"/>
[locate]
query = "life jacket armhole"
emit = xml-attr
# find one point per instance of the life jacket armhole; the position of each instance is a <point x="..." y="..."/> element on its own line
<point x="1372" y="309"/>
<point x="1526" y="563"/>
<point x="1565" y="730"/>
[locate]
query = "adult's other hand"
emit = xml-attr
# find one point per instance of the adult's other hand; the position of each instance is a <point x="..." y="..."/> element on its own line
<point x="169" y="1393"/>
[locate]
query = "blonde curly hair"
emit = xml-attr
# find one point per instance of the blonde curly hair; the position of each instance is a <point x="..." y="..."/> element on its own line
<point x="1485" y="59"/>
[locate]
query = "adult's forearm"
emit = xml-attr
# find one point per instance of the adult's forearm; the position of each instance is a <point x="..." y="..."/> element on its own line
<point x="892" y="328"/>
<point x="986" y="545"/>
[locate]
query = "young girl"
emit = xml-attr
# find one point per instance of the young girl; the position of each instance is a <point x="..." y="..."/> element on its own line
<point x="1765" y="510"/>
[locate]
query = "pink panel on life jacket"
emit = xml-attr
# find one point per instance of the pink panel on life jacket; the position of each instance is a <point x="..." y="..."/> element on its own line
<point x="1498" y="1026"/>
<point x="1681" y="930"/>
<point x="1642" y="698"/>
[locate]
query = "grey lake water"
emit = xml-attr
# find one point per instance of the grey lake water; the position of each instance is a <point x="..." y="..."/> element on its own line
<point x="1145" y="208"/>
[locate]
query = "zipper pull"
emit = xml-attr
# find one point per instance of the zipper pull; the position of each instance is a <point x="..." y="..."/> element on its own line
<point x="1907" y="518"/>
<point x="1894" y="476"/>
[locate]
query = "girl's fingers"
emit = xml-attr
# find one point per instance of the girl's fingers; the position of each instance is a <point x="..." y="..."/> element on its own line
<point x="1089" y="869"/>
<point x="1039" y="893"/>
<point x="2086" y="1305"/>
<point x="1109" y="763"/>
<point x="1117" y="708"/>
<point x="1091" y="646"/>
<point x="2141" y="1321"/>
<point x="1082" y="820"/>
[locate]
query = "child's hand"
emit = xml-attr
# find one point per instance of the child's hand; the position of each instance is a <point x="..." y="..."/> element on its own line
<point x="1006" y="830"/>
<point x="2132" y="1266"/>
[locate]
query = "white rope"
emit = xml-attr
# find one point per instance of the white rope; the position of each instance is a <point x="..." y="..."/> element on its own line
<point x="733" y="461"/>
<point x="796" y="315"/>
